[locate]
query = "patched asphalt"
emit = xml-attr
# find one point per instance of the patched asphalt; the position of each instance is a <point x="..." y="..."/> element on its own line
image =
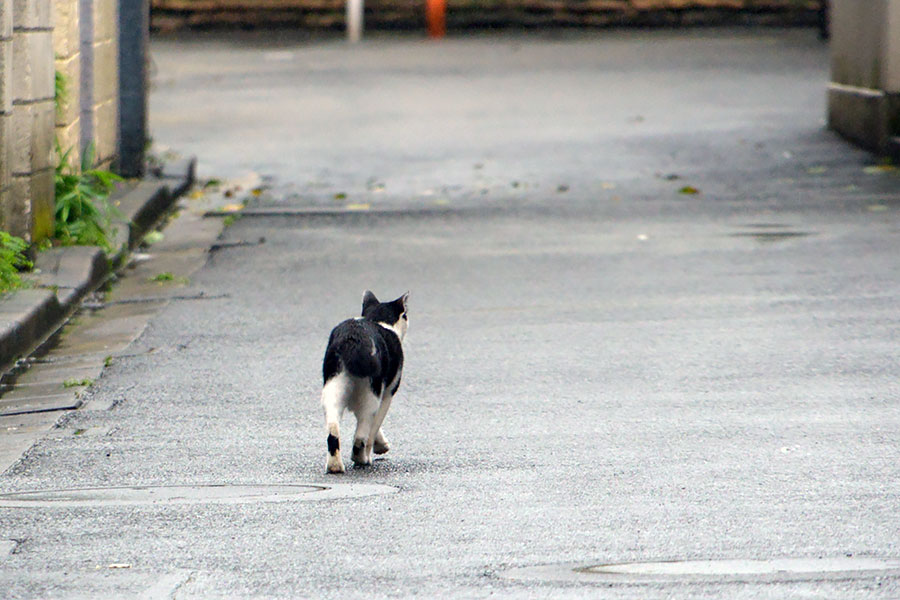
<point x="601" y="367"/>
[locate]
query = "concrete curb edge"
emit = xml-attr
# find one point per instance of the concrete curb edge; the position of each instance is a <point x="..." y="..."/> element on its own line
<point x="64" y="276"/>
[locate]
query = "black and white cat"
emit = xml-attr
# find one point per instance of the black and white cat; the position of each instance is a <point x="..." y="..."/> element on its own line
<point x="362" y="367"/>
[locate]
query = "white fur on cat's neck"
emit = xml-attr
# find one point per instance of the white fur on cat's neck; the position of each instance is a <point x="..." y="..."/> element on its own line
<point x="399" y="328"/>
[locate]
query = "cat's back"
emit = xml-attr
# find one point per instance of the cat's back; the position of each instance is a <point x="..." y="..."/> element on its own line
<point x="349" y="330"/>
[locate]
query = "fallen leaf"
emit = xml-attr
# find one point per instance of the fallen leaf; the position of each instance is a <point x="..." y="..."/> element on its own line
<point x="195" y="194"/>
<point x="608" y="186"/>
<point x="360" y="206"/>
<point x="256" y="191"/>
<point x="230" y="208"/>
<point x="340" y="196"/>
<point x="689" y="189"/>
<point x="152" y="237"/>
<point x="877" y="169"/>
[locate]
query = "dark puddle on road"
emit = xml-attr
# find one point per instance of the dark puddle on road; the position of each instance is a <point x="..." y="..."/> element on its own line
<point x="768" y="233"/>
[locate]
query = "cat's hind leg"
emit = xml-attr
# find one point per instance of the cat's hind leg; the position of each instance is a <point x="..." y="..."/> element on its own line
<point x="377" y="441"/>
<point x="334" y="400"/>
<point x="381" y="444"/>
<point x="366" y="409"/>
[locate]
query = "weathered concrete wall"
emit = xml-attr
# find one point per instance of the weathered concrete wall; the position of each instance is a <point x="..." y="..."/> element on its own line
<point x="171" y="14"/>
<point x="864" y="94"/>
<point x="106" y="80"/>
<point x="6" y="50"/>
<point x="100" y="78"/>
<point x="38" y="38"/>
<point x="28" y="211"/>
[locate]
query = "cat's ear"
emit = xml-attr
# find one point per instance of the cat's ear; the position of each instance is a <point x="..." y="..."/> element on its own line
<point x="402" y="302"/>
<point x="369" y="300"/>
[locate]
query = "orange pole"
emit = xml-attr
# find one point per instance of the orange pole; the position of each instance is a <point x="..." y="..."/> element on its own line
<point x="436" y="18"/>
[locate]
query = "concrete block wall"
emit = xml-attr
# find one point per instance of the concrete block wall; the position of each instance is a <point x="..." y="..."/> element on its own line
<point x="28" y="209"/>
<point x="6" y="53"/>
<point x="38" y="38"/>
<point x="864" y="93"/>
<point x="67" y="50"/>
<point x="100" y="79"/>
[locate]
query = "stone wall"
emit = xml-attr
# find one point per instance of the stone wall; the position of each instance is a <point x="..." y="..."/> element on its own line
<point x="38" y="38"/>
<point x="864" y="93"/>
<point x="173" y="14"/>
<point x="6" y="51"/>
<point x="106" y="80"/>
<point x="29" y="210"/>
<point x="100" y="78"/>
<point x="67" y="48"/>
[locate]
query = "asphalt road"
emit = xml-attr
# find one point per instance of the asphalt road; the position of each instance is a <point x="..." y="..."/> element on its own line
<point x="600" y="369"/>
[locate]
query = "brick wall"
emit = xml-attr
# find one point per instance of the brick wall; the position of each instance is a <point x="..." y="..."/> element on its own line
<point x="172" y="14"/>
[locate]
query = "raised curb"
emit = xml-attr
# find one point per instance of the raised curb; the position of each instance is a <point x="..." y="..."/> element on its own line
<point x="71" y="271"/>
<point x="140" y="206"/>
<point x="64" y="276"/>
<point x="26" y="318"/>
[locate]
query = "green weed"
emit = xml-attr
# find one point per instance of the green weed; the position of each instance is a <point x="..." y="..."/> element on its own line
<point x="83" y="212"/>
<point x="70" y="383"/>
<point x="60" y="90"/>
<point x="12" y="260"/>
<point x="166" y="276"/>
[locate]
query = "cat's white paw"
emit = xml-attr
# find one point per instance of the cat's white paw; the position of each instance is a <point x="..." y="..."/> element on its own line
<point x="361" y="455"/>
<point x="381" y="447"/>
<point x="334" y="464"/>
